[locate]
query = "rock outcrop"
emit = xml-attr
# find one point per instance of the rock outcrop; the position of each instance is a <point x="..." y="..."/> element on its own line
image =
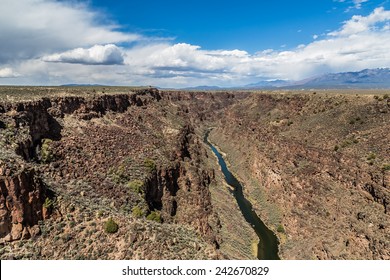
<point x="181" y="192"/>
<point x="22" y="204"/>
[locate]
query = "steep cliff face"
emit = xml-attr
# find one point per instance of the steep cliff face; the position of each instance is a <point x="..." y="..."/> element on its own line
<point x="40" y="116"/>
<point x="181" y="192"/>
<point x="316" y="166"/>
<point x="22" y="204"/>
<point x="91" y="151"/>
<point x="25" y="125"/>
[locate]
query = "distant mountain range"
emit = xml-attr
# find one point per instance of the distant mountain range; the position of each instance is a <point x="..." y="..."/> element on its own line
<point x="203" y="88"/>
<point x="269" y="84"/>
<point x="368" y="78"/>
<point x="82" y="85"/>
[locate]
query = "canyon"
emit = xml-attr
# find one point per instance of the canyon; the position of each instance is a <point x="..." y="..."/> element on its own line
<point x="314" y="165"/>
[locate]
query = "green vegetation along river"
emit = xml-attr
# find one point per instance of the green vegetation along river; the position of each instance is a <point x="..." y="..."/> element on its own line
<point x="267" y="248"/>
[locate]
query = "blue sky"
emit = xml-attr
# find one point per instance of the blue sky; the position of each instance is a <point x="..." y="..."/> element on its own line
<point x="247" y="24"/>
<point x="175" y="43"/>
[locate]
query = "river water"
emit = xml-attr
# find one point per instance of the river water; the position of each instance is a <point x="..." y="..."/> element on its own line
<point x="267" y="248"/>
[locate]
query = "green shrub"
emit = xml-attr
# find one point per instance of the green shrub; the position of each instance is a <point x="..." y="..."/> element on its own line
<point x="100" y="213"/>
<point x="280" y="229"/>
<point x="111" y="226"/>
<point x="346" y="143"/>
<point x="136" y="186"/>
<point x="137" y="212"/>
<point x="386" y="167"/>
<point x="336" y="148"/>
<point x="48" y="203"/>
<point x="371" y="156"/>
<point x="46" y="151"/>
<point x="119" y="175"/>
<point x="154" y="216"/>
<point x="150" y="164"/>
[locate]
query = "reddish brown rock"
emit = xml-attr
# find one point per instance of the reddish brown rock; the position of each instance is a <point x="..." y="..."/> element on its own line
<point x="21" y="200"/>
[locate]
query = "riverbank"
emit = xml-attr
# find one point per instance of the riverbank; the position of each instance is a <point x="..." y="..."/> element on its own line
<point x="267" y="247"/>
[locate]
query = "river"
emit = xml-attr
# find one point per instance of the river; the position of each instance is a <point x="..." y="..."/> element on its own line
<point x="267" y="247"/>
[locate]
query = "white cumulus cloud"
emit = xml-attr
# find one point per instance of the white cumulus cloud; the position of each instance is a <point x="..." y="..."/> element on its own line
<point x="358" y="24"/>
<point x="359" y="43"/>
<point x="32" y="28"/>
<point x="8" y="73"/>
<point x="106" y="55"/>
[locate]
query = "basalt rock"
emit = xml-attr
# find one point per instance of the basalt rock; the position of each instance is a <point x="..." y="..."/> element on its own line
<point x="181" y="191"/>
<point x="21" y="202"/>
